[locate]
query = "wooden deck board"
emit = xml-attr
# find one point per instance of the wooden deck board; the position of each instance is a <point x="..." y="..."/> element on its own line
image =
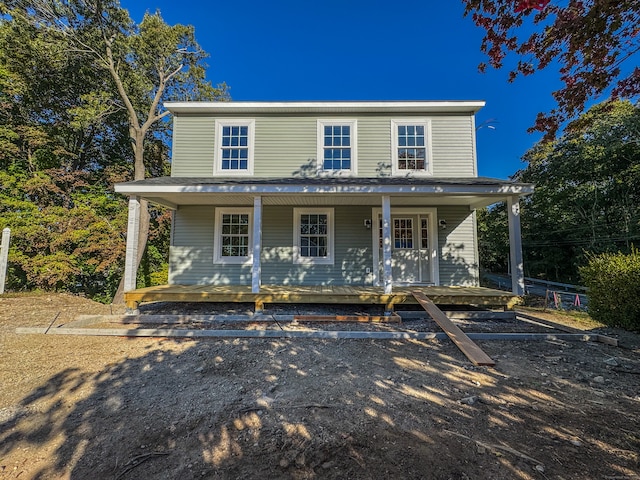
<point x="338" y="294"/>
<point x="472" y="351"/>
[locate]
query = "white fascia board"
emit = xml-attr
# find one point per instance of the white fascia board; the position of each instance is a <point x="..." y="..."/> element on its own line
<point x="132" y="189"/>
<point x="408" y="107"/>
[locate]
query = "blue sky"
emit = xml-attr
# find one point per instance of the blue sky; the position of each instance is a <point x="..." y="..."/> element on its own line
<point x="363" y="50"/>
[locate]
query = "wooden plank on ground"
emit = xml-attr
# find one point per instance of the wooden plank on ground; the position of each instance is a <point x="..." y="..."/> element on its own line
<point x="461" y="314"/>
<point x="473" y="352"/>
<point x="349" y="318"/>
<point x="86" y="320"/>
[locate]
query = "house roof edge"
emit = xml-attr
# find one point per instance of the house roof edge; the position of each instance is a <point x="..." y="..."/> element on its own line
<point x="415" y="106"/>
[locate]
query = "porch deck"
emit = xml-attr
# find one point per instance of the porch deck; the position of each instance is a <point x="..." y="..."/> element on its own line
<point x="354" y="295"/>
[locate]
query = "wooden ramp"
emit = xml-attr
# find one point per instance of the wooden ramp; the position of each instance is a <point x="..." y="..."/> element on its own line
<point x="473" y="352"/>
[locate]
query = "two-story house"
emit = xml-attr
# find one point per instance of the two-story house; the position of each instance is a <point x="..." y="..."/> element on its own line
<point x="367" y="194"/>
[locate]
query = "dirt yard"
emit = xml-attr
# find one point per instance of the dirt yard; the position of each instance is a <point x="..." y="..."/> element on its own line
<point x="119" y="408"/>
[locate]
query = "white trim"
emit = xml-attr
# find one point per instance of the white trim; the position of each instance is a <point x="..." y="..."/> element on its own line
<point x="515" y="246"/>
<point x="476" y="251"/>
<point x="387" y="271"/>
<point x="353" y="126"/>
<point x="299" y="259"/>
<point x="474" y="146"/>
<point x="256" y="270"/>
<point x="218" y="258"/>
<point x="426" y="122"/>
<point x="217" y="162"/>
<point x="454" y="106"/>
<point x="131" y="254"/>
<point x="434" y="257"/>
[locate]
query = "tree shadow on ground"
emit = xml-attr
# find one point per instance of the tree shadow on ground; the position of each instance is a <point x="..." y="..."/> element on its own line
<point x="308" y="408"/>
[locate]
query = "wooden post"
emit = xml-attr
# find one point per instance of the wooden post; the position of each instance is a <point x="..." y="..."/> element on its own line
<point x="256" y="268"/>
<point x="386" y="245"/>
<point x="4" y="255"/>
<point x="133" y="232"/>
<point x="515" y="246"/>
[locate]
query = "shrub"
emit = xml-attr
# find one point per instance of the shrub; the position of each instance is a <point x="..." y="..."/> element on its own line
<point x="613" y="280"/>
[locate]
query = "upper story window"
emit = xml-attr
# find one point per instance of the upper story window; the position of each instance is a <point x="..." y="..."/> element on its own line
<point x="337" y="146"/>
<point x="234" y="147"/>
<point x="411" y="147"/>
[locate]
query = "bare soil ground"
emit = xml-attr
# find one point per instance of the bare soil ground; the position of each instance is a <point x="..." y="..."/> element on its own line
<point x="119" y="408"/>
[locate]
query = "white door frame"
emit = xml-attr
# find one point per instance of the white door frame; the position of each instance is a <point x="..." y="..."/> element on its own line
<point x="432" y="214"/>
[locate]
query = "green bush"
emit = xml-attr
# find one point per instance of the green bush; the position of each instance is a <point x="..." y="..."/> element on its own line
<point x="613" y="280"/>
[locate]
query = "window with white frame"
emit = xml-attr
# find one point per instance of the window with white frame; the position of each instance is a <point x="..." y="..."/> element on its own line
<point x="411" y="147"/>
<point x="313" y="235"/>
<point x="234" y="147"/>
<point x="232" y="240"/>
<point x="337" y="143"/>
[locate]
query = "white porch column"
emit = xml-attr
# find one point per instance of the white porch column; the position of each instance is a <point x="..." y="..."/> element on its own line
<point x="386" y="244"/>
<point x="133" y="232"/>
<point x="256" y="268"/>
<point x="515" y="245"/>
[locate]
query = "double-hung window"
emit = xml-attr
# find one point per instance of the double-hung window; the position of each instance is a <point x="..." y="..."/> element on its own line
<point x="234" y="147"/>
<point x="232" y="241"/>
<point x="411" y="153"/>
<point x="313" y="235"/>
<point x="337" y="146"/>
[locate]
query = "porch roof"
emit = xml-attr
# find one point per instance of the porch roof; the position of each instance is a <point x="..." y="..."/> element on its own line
<point x="476" y="192"/>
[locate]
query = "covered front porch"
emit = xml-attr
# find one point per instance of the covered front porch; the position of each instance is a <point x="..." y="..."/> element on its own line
<point x="352" y="295"/>
<point x="363" y="249"/>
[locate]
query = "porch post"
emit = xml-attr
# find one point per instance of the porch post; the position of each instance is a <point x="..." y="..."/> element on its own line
<point x="386" y="244"/>
<point x="131" y="257"/>
<point x="515" y="245"/>
<point x="257" y="245"/>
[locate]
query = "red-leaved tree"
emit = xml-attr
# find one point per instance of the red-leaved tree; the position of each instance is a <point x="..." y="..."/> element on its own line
<point x="595" y="44"/>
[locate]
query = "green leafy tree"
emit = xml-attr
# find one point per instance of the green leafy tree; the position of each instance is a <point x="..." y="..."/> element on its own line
<point x="147" y="63"/>
<point x="493" y="238"/>
<point x="595" y="45"/>
<point x="56" y="174"/>
<point x="587" y="196"/>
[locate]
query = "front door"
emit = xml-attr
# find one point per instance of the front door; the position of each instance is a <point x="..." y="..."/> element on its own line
<point x="410" y="253"/>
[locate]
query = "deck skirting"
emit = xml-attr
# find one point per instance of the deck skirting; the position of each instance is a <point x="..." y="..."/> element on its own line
<point x="352" y="295"/>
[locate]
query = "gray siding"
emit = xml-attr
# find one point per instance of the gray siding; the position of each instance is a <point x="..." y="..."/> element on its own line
<point x="457" y="247"/>
<point x="352" y="250"/>
<point x="193" y="147"/>
<point x="191" y="252"/>
<point x="453" y="148"/>
<point x="374" y="147"/>
<point x="286" y="146"/>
